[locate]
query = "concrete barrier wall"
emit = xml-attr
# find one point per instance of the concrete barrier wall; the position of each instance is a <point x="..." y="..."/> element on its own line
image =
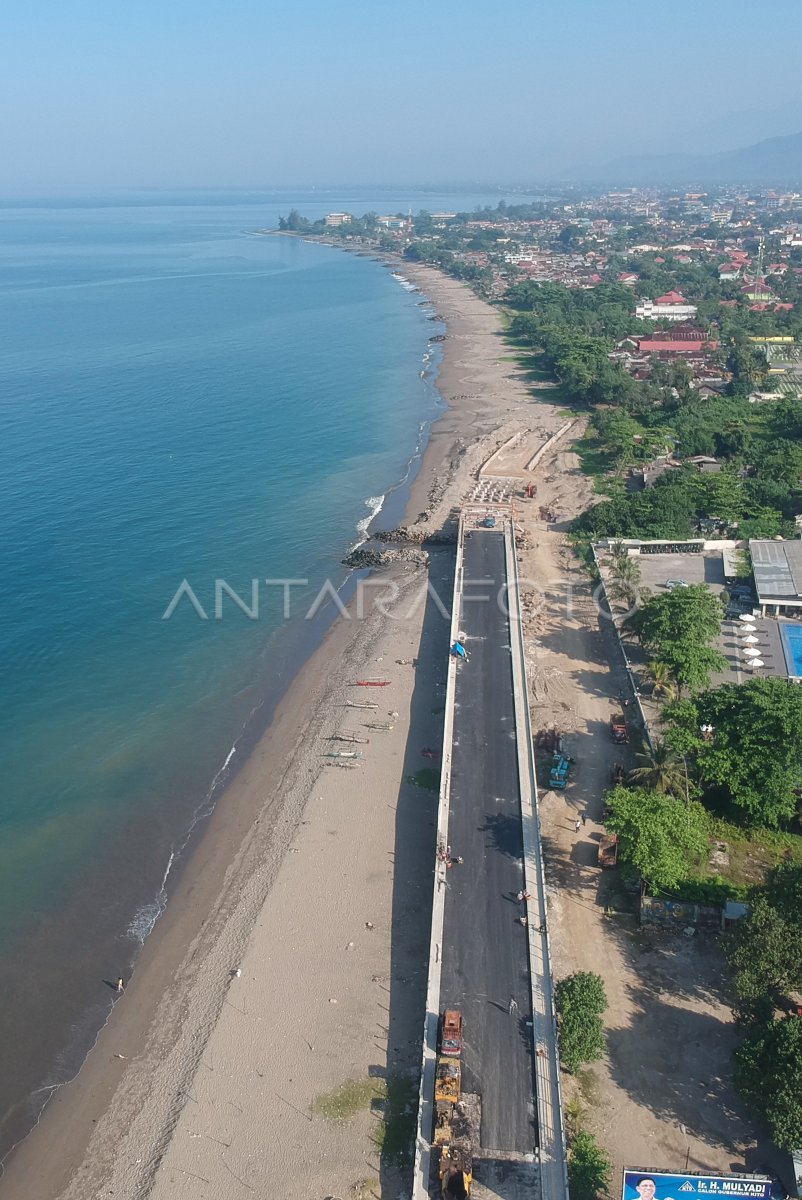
<point x="420" y="1187"/>
<point x="544" y="449"/>
<point x="548" y="1090"/>
<point x="647" y="731"/>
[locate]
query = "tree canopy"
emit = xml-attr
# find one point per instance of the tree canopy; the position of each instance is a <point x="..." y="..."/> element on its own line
<point x="580" y="999"/>
<point x="768" y="1074"/>
<point x="677" y="628"/>
<point x="660" y="769"/>
<point x="764" y="950"/>
<point x="589" y="1168"/>
<point x="660" y="837"/>
<point x="754" y="759"/>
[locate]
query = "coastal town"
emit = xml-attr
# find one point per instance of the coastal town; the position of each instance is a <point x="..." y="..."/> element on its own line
<point x="666" y="330"/>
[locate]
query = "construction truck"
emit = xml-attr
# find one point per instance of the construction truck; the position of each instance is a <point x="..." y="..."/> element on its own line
<point x="608" y="850"/>
<point x="451" y="1033"/>
<point x="618" y="729"/>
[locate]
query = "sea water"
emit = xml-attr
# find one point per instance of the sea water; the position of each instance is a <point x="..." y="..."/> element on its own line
<point x="184" y="404"/>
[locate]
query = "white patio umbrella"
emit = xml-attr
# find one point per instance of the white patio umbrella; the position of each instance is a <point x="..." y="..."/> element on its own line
<point x="751" y="638"/>
<point x="747" y="628"/>
<point x="756" y="662"/>
<point x="751" y="652"/>
<point x="744" y="616"/>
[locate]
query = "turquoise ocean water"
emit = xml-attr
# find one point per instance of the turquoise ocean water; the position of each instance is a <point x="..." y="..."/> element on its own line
<point x="179" y="399"/>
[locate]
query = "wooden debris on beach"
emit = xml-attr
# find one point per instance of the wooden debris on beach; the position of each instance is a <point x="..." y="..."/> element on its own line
<point x="356" y="704"/>
<point x="348" y="764"/>
<point x="348" y="735"/>
<point x="382" y="726"/>
<point x="371" y="683"/>
<point x="343" y="754"/>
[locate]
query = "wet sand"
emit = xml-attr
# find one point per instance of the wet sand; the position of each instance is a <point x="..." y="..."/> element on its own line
<point x="312" y="881"/>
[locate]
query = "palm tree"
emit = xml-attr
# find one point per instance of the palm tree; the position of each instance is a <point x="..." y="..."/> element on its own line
<point x="662" y="681"/>
<point x="624" y="577"/>
<point x="661" y="770"/>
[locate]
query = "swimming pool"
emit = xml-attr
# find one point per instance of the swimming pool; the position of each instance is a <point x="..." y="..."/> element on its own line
<point x="792" y="648"/>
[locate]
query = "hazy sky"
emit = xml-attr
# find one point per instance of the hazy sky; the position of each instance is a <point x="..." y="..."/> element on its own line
<point x="260" y="92"/>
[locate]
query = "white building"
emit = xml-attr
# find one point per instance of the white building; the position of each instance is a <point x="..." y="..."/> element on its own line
<point x="335" y="219"/>
<point x="671" y="307"/>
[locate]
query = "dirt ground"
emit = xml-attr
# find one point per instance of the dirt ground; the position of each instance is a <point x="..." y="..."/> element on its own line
<point x="663" y="1096"/>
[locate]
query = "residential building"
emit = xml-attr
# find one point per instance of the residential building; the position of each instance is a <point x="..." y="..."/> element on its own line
<point x="671" y="307"/>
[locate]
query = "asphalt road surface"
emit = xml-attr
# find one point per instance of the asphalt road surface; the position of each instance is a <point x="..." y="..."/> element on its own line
<point x="485" y="959"/>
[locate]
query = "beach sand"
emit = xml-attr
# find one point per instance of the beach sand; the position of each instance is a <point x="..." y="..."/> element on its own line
<point x="285" y="985"/>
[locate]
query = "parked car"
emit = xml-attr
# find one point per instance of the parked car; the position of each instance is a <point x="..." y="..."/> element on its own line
<point x="671" y="584"/>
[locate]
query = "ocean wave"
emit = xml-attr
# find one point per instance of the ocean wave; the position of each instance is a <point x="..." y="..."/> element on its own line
<point x="374" y="504"/>
<point x="223" y="769"/>
<point x="406" y="284"/>
<point x="145" y="918"/>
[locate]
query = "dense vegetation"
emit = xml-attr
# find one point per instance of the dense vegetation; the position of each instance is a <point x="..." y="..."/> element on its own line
<point x="635" y="421"/>
<point x="765" y="957"/>
<point x="589" y="1169"/>
<point x="677" y="629"/>
<point x="751" y="766"/>
<point x="580" y="1000"/>
<point x="660" y="836"/>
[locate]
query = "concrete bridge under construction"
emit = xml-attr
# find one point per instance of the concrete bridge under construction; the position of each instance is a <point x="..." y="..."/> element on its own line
<point x="484" y="959"/>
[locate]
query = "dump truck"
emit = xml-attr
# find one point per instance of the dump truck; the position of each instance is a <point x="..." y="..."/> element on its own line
<point x="451" y="1033"/>
<point x="608" y="850"/>
<point x="618" y="729"/>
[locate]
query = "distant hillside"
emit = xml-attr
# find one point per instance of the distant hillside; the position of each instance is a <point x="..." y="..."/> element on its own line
<point x="775" y="161"/>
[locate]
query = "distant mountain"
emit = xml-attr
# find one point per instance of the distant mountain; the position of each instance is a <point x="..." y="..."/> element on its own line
<point x="733" y="130"/>
<point x="775" y="162"/>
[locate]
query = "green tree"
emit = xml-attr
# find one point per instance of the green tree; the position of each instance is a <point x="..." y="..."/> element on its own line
<point x="625" y="577"/>
<point x="725" y="495"/>
<point x="589" y="1168"/>
<point x="768" y="1074"/>
<point x="754" y="759"/>
<point x="749" y="369"/>
<point x="660" y="769"/>
<point x="660" y="837"/>
<point x="678" y="627"/>
<point x="764" y="950"/>
<point x="580" y="999"/>
<point x="662" y="682"/>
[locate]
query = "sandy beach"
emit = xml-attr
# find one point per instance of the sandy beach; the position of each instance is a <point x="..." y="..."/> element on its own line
<point x="280" y="1000"/>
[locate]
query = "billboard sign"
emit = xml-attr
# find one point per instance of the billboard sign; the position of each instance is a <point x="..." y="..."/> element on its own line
<point x="664" y="1185"/>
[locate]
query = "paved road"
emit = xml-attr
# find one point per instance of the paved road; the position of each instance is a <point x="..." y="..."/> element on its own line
<point x="484" y="948"/>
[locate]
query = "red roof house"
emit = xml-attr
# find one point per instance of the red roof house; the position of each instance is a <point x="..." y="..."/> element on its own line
<point x="671" y="298"/>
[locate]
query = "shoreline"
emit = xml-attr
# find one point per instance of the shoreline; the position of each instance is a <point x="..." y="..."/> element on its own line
<point x="299" y="643"/>
<point x="226" y="887"/>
